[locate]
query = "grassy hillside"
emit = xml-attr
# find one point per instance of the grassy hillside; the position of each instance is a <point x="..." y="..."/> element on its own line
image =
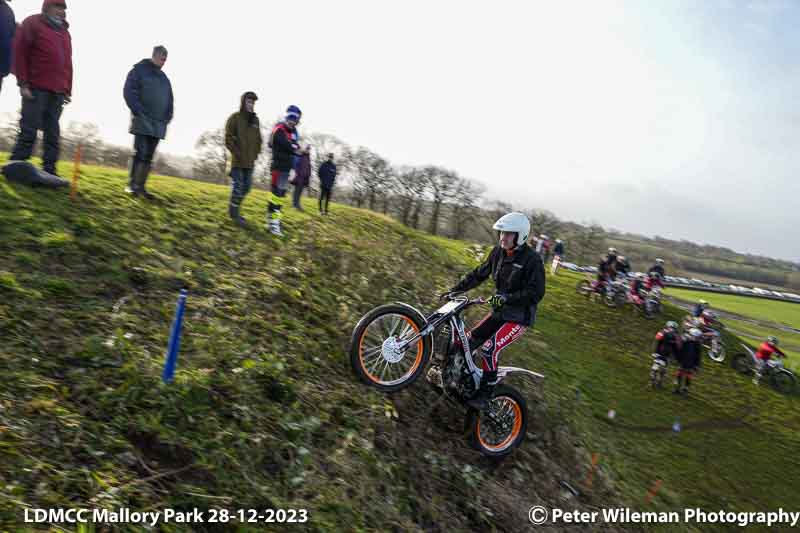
<point x="265" y="412"/>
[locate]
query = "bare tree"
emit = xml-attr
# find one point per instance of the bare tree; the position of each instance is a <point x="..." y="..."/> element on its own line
<point x="373" y="176"/>
<point x="411" y="186"/>
<point x="212" y="156"/>
<point x="465" y="205"/>
<point x="543" y="222"/>
<point x="442" y="183"/>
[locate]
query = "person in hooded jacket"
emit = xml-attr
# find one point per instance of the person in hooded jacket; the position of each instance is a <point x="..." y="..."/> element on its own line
<point x="8" y="26"/>
<point x="42" y="63"/>
<point x="243" y="140"/>
<point x="148" y="94"/>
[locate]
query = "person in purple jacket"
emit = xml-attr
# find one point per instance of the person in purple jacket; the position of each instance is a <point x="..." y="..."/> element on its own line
<point x="8" y="25"/>
<point x="302" y="176"/>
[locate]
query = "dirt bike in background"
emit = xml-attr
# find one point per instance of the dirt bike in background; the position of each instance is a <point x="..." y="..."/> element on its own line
<point x="616" y="291"/>
<point x="712" y="339"/>
<point x="392" y="345"/>
<point x="782" y="379"/>
<point x="647" y="302"/>
<point x="591" y="288"/>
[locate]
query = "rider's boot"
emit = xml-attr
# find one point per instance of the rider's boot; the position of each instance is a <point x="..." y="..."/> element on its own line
<point x="481" y="397"/>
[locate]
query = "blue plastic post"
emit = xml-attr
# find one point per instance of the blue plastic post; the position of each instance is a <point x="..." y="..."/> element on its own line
<point x="174" y="340"/>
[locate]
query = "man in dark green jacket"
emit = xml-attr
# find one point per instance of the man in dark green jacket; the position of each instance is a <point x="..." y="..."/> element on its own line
<point x="243" y="139"/>
<point x="148" y="94"/>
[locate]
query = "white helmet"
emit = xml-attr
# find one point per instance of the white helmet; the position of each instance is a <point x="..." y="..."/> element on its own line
<point x="660" y="261"/>
<point x="515" y="223"/>
<point x="695" y="333"/>
<point x="559" y="240"/>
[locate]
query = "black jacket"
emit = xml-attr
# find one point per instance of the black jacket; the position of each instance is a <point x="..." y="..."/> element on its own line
<point x="690" y="354"/>
<point x="623" y="267"/>
<point x="520" y="277"/>
<point x="283" y="147"/>
<point x="327" y="174"/>
<point x="657" y="268"/>
<point x="559" y="248"/>
<point x="8" y="25"/>
<point x="667" y="344"/>
<point x="148" y="94"/>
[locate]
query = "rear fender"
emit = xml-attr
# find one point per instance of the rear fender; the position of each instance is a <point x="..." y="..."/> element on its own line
<point x="505" y="371"/>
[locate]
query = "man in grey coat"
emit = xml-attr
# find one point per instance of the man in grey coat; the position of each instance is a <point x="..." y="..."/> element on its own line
<point x="148" y="94"/>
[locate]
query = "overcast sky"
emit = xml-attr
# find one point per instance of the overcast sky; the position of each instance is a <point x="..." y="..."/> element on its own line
<point x="673" y="118"/>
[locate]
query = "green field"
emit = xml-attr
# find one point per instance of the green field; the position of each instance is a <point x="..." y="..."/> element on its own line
<point x="265" y="411"/>
<point x="760" y="308"/>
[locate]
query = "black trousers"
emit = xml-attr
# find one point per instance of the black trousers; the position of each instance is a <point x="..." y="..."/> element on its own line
<point x="324" y="196"/>
<point x="42" y="112"/>
<point x="145" y="147"/>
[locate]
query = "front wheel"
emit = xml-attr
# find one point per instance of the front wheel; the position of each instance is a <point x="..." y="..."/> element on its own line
<point x="717" y="351"/>
<point x="374" y="355"/>
<point x="499" y="428"/>
<point x="584" y="287"/>
<point x="783" y="381"/>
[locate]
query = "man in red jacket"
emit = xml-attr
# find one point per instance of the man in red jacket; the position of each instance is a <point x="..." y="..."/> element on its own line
<point x="42" y="63"/>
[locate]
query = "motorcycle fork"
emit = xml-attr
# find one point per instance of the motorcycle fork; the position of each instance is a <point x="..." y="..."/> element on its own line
<point x="457" y="327"/>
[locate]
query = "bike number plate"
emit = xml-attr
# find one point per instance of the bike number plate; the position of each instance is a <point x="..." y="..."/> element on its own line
<point x="448" y="307"/>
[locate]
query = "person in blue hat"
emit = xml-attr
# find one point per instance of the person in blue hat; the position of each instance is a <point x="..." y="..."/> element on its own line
<point x="284" y="143"/>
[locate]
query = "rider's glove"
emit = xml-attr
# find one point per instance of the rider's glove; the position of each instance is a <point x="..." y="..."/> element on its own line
<point x="497" y="301"/>
<point x="444" y="295"/>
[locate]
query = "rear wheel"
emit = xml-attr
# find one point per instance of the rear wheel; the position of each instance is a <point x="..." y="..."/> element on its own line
<point x="783" y="381"/>
<point x="374" y="354"/>
<point x="499" y="428"/>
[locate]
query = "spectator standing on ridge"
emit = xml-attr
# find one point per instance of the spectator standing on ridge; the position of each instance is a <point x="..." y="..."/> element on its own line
<point x="8" y="26"/>
<point x="148" y="94"/>
<point x="283" y="142"/>
<point x="42" y="63"/>
<point x="243" y="140"/>
<point x="302" y="176"/>
<point x="558" y="256"/>
<point x="327" y="178"/>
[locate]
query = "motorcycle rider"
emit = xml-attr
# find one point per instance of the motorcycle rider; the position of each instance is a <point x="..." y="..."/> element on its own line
<point x="636" y="292"/>
<point x="668" y="344"/>
<point x="518" y="274"/>
<point x="658" y="267"/>
<point x="764" y="353"/>
<point x="689" y="359"/>
<point x="653" y="280"/>
<point x="606" y="271"/>
<point x="698" y="309"/>
<point x="623" y="266"/>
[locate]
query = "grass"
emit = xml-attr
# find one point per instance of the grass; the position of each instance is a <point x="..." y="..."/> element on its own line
<point x="760" y="308"/>
<point x="264" y="411"/>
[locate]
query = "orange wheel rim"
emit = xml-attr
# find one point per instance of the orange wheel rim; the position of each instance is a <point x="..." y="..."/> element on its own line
<point x="372" y="360"/>
<point x="515" y="430"/>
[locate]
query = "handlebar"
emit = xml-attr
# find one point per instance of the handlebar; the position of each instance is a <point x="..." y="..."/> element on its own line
<point x="462" y="297"/>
